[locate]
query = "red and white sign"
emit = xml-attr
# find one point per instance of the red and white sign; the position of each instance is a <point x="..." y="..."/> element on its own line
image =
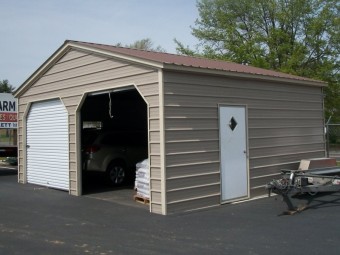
<point x="8" y="111"/>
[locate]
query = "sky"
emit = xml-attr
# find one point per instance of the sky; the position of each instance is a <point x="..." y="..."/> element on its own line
<point x="32" y="30"/>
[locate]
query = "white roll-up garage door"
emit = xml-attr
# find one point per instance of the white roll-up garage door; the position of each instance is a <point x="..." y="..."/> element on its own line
<point x="47" y="145"/>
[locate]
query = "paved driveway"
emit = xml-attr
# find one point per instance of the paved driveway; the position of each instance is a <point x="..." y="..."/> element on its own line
<point x="36" y="220"/>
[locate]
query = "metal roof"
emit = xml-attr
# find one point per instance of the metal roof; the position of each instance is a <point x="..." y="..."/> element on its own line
<point x="169" y="61"/>
<point x="188" y="61"/>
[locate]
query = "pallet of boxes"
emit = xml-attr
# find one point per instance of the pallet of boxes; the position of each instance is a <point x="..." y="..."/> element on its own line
<point x="142" y="182"/>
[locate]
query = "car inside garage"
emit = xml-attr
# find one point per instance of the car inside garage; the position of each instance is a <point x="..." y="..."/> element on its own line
<point x="114" y="138"/>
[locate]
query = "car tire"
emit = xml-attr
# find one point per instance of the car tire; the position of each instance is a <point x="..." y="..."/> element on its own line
<point x="116" y="173"/>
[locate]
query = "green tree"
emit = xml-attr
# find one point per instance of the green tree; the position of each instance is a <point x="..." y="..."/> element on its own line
<point x="294" y="36"/>
<point x="144" y="44"/>
<point x="5" y="87"/>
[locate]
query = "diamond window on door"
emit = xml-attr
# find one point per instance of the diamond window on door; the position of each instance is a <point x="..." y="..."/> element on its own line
<point x="232" y="124"/>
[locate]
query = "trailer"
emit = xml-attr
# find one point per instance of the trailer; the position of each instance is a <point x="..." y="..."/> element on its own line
<point x="304" y="182"/>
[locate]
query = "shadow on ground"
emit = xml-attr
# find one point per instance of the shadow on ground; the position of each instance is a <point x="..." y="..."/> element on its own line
<point x="5" y="172"/>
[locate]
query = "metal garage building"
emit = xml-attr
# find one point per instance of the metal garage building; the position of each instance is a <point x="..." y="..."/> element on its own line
<point x="217" y="131"/>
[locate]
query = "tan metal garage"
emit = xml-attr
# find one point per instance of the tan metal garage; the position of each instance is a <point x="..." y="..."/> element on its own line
<point x="217" y="131"/>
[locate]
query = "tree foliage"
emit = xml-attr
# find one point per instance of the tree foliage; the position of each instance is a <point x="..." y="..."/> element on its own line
<point x="294" y="36"/>
<point x="5" y="87"/>
<point x="143" y="44"/>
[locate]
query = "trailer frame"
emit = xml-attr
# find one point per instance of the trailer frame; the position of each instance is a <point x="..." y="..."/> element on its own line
<point x="299" y="182"/>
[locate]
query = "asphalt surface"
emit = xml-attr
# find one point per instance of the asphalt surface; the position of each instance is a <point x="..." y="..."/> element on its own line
<point x="36" y="220"/>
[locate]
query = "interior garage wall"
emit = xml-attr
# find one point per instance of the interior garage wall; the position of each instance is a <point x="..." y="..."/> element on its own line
<point x="285" y="125"/>
<point x="78" y="72"/>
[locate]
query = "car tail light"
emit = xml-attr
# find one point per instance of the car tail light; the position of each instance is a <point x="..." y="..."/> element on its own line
<point x="92" y="149"/>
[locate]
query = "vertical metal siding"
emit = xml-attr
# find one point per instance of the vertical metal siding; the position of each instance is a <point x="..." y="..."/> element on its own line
<point x="285" y="125"/>
<point x="47" y="141"/>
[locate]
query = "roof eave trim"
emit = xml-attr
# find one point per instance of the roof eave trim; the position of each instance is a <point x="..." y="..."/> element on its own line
<point x="121" y="56"/>
<point x="234" y="74"/>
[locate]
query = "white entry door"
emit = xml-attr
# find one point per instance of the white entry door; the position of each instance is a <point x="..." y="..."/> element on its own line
<point x="48" y="145"/>
<point x="233" y="153"/>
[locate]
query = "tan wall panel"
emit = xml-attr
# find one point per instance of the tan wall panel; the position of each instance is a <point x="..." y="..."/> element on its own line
<point x="79" y="71"/>
<point x="154" y="136"/>
<point x="73" y="157"/>
<point x="72" y="100"/>
<point x="198" y="146"/>
<point x="155" y="160"/>
<point x="72" y="55"/>
<point x="284" y="141"/>
<point x="282" y="159"/>
<point x="258" y="182"/>
<point x="127" y="72"/>
<point x="73" y="175"/>
<point x="153" y="100"/>
<point x="73" y="63"/>
<point x="154" y="112"/>
<point x="72" y="147"/>
<point x="86" y="70"/>
<point x="285" y="113"/>
<point x="79" y="89"/>
<point x="220" y="81"/>
<point x="282" y="132"/>
<point x="155" y="172"/>
<point x="73" y="165"/>
<point x="22" y="107"/>
<point x="237" y="92"/>
<point x="200" y="101"/>
<point x="273" y="169"/>
<point x="155" y="185"/>
<point x="154" y="124"/>
<point x="192" y="193"/>
<point x="182" y="159"/>
<point x="191" y="170"/>
<point x="191" y="135"/>
<point x="72" y="128"/>
<point x="186" y="123"/>
<point x="191" y="181"/>
<point x="194" y="204"/>
<point x="72" y="118"/>
<point x="190" y="112"/>
<point x="156" y="197"/>
<point x="149" y="89"/>
<point x="155" y="149"/>
<point x="277" y="149"/>
<point x="156" y="208"/>
<point x="285" y="123"/>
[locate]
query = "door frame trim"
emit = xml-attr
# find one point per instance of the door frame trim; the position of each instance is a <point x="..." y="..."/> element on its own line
<point x="245" y="106"/>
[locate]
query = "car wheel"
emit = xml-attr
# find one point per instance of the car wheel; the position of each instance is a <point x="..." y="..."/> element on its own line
<point x="116" y="172"/>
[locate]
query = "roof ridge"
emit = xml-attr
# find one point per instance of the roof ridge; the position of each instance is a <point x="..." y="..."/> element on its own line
<point x="157" y="52"/>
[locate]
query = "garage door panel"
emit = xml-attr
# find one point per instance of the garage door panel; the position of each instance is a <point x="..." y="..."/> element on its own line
<point x="50" y="160"/>
<point x="47" y="145"/>
<point x="42" y="148"/>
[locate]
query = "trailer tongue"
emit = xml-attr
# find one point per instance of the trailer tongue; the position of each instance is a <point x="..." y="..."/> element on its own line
<point x="309" y="182"/>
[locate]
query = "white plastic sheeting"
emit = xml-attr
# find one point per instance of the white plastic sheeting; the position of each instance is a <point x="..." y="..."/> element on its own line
<point x="142" y="183"/>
